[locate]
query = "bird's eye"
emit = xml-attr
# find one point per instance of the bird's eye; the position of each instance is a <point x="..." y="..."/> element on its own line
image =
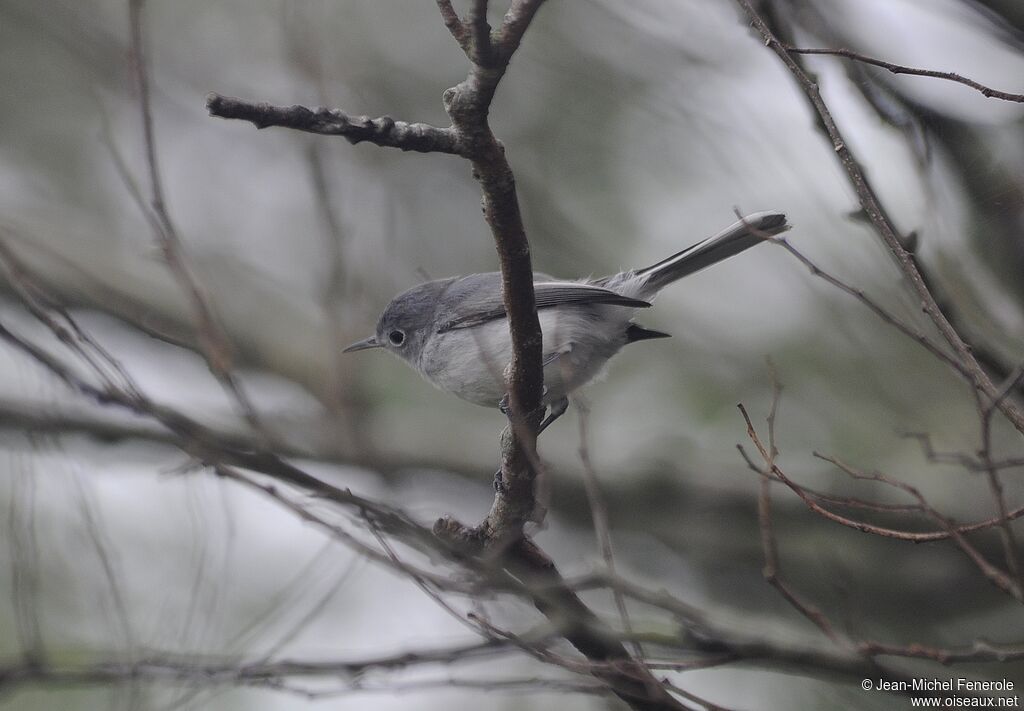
<point x="396" y="337"/>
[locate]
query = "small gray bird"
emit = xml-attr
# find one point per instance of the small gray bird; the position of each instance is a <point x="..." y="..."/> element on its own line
<point x="455" y="334"/>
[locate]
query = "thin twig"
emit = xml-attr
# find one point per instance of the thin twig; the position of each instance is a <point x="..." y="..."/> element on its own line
<point x="770" y="571"/>
<point x="538" y="580"/>
<point x="871" y="204"/>
<point x="107" y="559"/>
<point x="599" y="515"/>
<point x="811" y="497"/>
<point x="690" y="696"/>
<point x="876" y="308"/>
<point x="213" y="671"/>
<point x="336" y="531"/>
<point x="913" y="71"/>
<point x="980" y="651"/>
<point x="337" y="285"/>
<point x="23" y="546"/>
<point x="994" y="574"/>
<point x="214" y="344"/>
<point x="1006" y="533"/>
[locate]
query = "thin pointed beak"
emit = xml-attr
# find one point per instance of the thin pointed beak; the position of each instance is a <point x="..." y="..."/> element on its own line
<point x="362" y="345"/>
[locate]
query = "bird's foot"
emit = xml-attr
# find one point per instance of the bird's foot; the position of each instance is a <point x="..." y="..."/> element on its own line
<point x="555" y="410"/>
<point x="499" y="483"/>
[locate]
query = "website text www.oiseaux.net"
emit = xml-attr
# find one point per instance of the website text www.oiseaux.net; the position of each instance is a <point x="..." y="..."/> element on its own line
<point x="932" y="693"/>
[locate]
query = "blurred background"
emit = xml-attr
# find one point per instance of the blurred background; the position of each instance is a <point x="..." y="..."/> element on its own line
<point x="634" y="130"/>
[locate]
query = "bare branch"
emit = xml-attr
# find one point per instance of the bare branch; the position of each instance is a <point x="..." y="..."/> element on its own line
<point x="771" y="565"/>
<point x="470" y="136"/>
<point x="934" y="456"/>
<point x="871" y="204"/>
<point x="468" y="105"/>
<point x="345" y="389"/>
<point x="769" y="545"/>
<point x="203" y="443"/>
<point x="215" y="346"/>
<point x="169" y="668"/>
<point x="60" y="323"/>
<point x="551" y="594"/>
<point x="382" y="131"/>
<point x="980" y="651"/>
<point x="599" y="515"/>
<point x="913" y="71"/>
<point x="810" y="498"/>
<point x="876" y="308"/>
<point x="24" y="564"/>
<point x="481" y="51"/>
<point x="303" y="512"/>
<point x="721" y="646"/>
<point x="456" y="26"/>
<point x="994" y="574"/>
<point x="107" y="559"/>
<point x="514" y="25"/>
<point x="1007" y="536"/>
<point x="690" y="696"/>
<point x="630" y="679"/>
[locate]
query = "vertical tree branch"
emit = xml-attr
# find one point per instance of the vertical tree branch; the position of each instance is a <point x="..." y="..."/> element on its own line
<point x="628" y="678"/>
<point x="468" y="105"/>
<point x="500" y="538"/>
<point x="883" y="226"/>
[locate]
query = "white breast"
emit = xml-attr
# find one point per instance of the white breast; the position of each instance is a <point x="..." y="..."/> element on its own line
<point x="578" y="341"/>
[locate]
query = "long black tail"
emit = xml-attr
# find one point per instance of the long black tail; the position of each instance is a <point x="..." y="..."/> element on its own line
<point x="732" y="240"/>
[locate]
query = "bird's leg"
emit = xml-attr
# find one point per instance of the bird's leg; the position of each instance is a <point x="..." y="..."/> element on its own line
<point x="499" y="484"/>
<point x="555" y="410"/>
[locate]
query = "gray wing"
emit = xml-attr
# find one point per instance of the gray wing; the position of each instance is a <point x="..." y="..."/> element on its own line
<point x="477" y="299"/>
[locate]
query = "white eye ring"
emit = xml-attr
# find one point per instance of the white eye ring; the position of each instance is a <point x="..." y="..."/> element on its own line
<point x="396" y="337"/>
